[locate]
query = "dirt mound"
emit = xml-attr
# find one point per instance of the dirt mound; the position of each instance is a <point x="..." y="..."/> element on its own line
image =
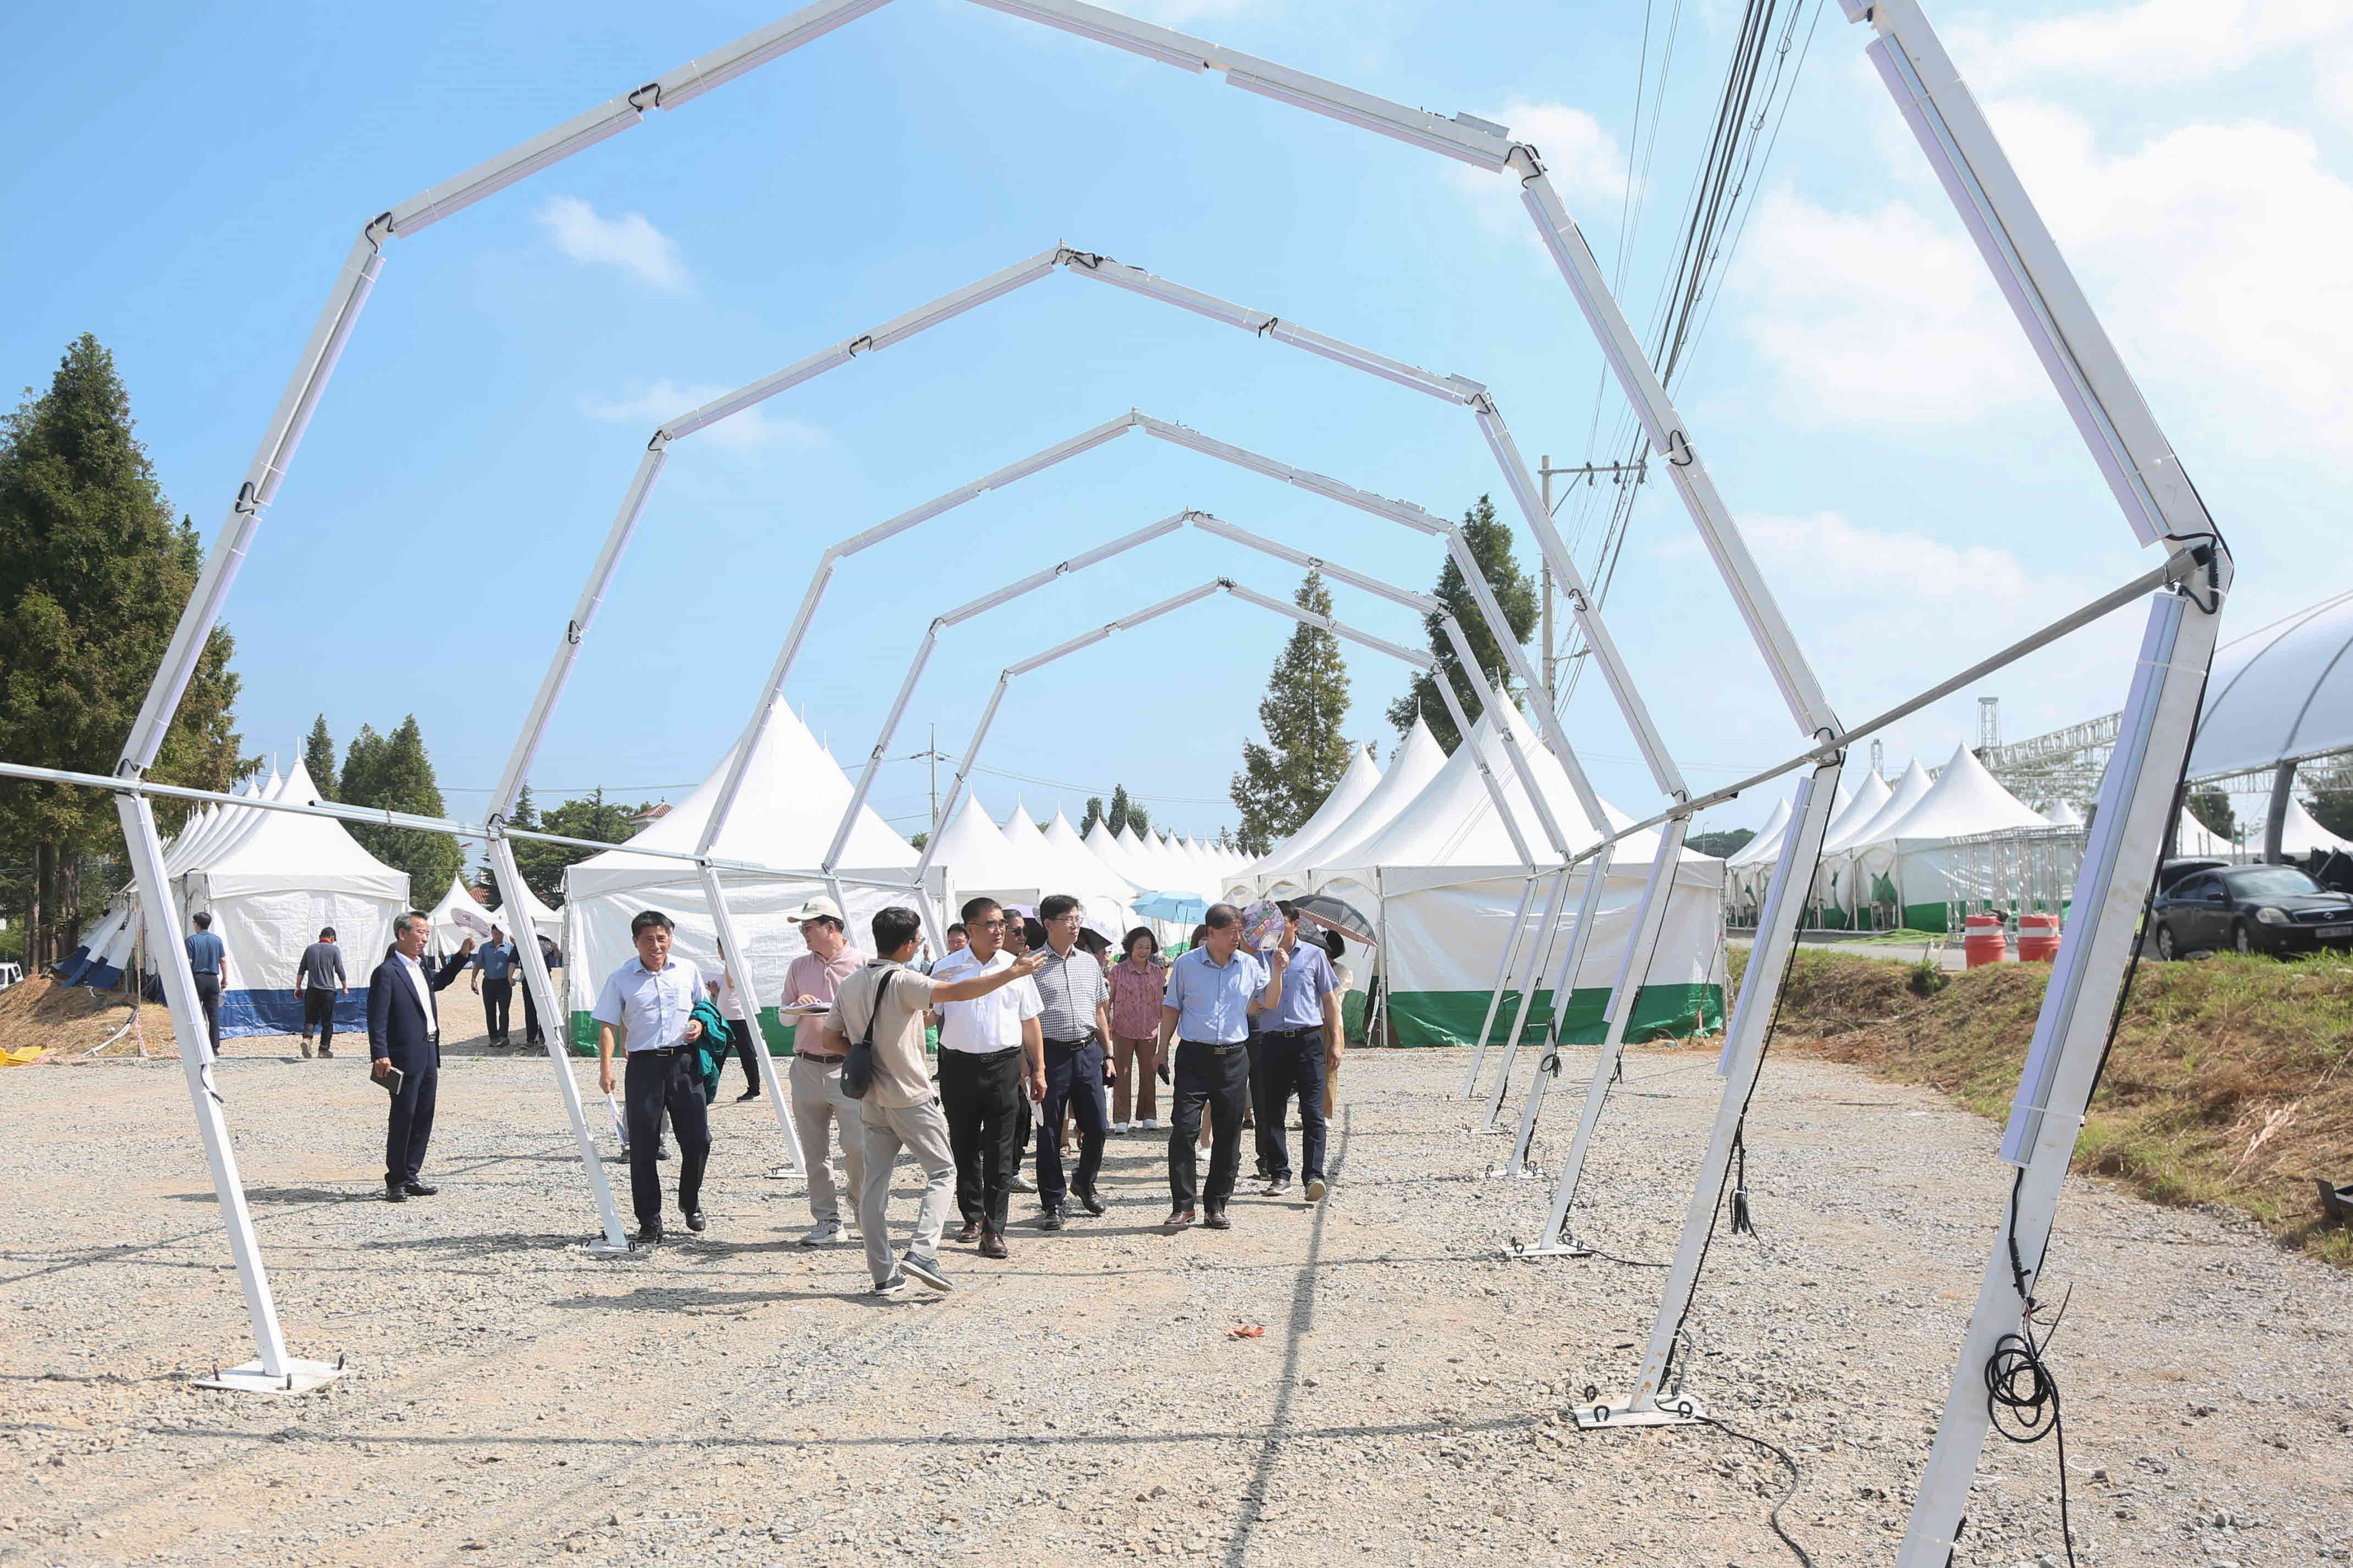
<point x="2231" y="1081"/>
<point x="69" y="1021"/>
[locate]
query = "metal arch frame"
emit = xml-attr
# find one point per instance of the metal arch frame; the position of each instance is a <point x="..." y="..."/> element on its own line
<point x="1210" y="524"/>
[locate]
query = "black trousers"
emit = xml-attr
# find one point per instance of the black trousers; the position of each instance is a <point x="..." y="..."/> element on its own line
<point x="531" y="1014"/>
<point x="982" y="1098"/>
<point x="409" y="1127"/>
<point x="498" y="1008"/>
<point x="208" y="993"/>
<point x="1073" y="1082"/>
<point x="748" y="1044"/>
<point x="1288" y="1067"/>
<point x="1257" y="1097"/>
<point x="657" y="1081"/>
<point x="1215" y="1078"/>
<point x="318" y="1013"/>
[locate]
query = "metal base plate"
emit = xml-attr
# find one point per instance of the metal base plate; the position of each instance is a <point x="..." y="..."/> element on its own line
<point x="597" y="1246"/>
<point x="1485" y="1131"/>
<point x="299" y="1377"/>
<point x="1554" y="1249"/>
<point x="1682" y="1410"/>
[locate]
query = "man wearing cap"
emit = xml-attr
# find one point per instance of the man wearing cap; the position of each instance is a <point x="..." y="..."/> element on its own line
<point x="1294" y="1039"/>
<point x="818" y="1104"/>
<point x="1213" y="989"/>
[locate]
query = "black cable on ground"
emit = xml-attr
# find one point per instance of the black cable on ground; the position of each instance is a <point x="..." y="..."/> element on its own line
<point x="1774" y="1517"/>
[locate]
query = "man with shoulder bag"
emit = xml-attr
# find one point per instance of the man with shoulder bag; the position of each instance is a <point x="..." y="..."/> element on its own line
<point x="876" y="1026"/>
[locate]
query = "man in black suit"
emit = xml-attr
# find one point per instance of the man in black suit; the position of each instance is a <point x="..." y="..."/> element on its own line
<point x="405" y="1032"/>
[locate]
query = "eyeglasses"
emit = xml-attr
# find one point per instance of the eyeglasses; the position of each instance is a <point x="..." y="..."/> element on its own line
<point x="986" y="925"/>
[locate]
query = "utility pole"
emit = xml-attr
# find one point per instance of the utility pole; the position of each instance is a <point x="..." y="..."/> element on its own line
<point x="1545" y="471"/>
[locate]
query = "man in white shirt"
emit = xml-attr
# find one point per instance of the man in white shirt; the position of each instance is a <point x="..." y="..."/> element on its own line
<point x="992" y="1058"/>
<point x="649" y="1004"/>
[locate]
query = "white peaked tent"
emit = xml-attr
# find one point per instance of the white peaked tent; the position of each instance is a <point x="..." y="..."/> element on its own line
<point x="1839" y="851"/>
<point x="792" y="798"/>
<point x="270" y="888"/>
<point x="1742" y="880"/>
<point x="102" y="957"/>
<point x="1087" y="867"/>
<point x="2198" y="839"/>
<point x="1832" y="871"/>
<point x="979" y="862"/>
<point x="2062" y="815"/>
<point x="545" y="921"/>
<point x="1907" y="861"/>
<point x="1416" y="762"/>
<point x="1295" y="853"/>
<point x="458" y="916"/>
<point x="1444" y="883"/>
<point x="1102" y="893"/>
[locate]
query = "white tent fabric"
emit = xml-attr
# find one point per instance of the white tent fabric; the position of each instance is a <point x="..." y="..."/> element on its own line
<point x="2062" y="815"/>
<point x="792" y="798"/>
<point x="1416" y="762"/>
<point x="276" y="883"/>
<point x="548" y="921"/>
<point x="977" y="862"/>
<point x="2303" y="834"/>
<point x="1747" y="868"/>
<point x="1832" y="871"/>
<point x="2281" y="692"/>
<point x="1102" y="893"/>
<point x="1086" y="869"/>
<point x="2199" y="840"/>
<point x="1841" y="849"/>
<point x="1297" y="852"/>
<point x="458" y="916"/>
<point x="1906" y="860"/>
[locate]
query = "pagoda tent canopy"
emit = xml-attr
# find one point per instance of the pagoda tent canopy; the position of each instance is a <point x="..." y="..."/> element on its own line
<point x="1296" y="852"/>
<point x="1908" y="860"/>
<point x="2304" y="835"/>
<point x="1743" y="879"/>
<point x="1416" y="762"/>
<point x="1103" y="894"/>
<point x="2062" y="814"/>
<point x="1840" y="852"/>
<point x="1444" y="883"/>
<point x="791" y="800"/>
<point x="1090" y="877"/>
<point x="544" y="919"/>
<point x="977" y="862"/>
<point x="458" y="916"/>
<point x="272" y="886"/>
<point x="2196" y="838"/>
<point x="2278" y="694"/>
<point x="1831" y="872"/>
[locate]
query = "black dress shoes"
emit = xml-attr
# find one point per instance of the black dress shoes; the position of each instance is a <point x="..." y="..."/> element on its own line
<point x="420" y="1189"/>
<point x="394" y="1195"/>
<point x="694" y="1219"/>
<point x="648" y="1235"/>
<point x="1088" y="1202"/>
<point x="1050" y="1220"/>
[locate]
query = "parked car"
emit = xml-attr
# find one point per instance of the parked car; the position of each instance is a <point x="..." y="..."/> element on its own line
<point x="2171" y="871"/>
<point x="2253" y="909"/>
<point x="11" y="974"/>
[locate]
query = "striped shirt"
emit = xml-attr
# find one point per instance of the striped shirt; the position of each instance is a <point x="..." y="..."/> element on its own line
<point x="1073" y="987"/>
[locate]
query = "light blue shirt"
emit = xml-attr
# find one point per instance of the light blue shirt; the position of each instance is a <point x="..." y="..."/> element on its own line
<point x="652" y="1005"/>
<point x="1305" y="983"/>
<point x="205" y="952"/>
<point x="1212" y="1002"/>
<point x="496" y="961"/>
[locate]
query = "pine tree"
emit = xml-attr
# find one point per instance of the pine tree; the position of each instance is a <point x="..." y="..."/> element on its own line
<point x="319" y="757"/>
<point x="1119" y="815"/>
<point x="1094" y="813"/>
<point x="393" y="771"/>
<point x="1138" y="819"/>
<point x="2332" y="802"/>
<point x="1490" y="540"/>
<point x="543" y="865"/>
<point x="2213" y="807"/>
<point x="1281" y="782"/>
<point x="93" y="576"/>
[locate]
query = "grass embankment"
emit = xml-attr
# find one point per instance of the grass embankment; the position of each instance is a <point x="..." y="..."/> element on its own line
<point x="2231" y="1081"/>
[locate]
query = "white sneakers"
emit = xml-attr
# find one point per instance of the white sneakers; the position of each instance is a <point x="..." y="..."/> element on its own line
<point x="822" y="1232"/>
<point x="1120" y="1127"/>
<point x="1147" y="1125"/>
<point x="1315" y="1189"/>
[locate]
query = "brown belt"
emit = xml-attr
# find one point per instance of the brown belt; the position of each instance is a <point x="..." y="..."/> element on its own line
<point x="813" y="1056"/>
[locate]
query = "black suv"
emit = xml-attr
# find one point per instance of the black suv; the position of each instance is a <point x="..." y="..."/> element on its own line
<point x="2253" y="909"/>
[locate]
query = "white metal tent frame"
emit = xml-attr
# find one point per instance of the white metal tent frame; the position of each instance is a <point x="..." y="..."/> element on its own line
<point x="2137" y="791"/>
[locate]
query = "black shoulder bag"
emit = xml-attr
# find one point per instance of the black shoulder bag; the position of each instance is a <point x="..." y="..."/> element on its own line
<point x="857" y="1067"/>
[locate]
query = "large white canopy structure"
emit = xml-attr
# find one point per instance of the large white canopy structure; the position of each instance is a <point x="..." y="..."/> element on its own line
<point x="2280" y="693"/>
<point x="791" y="794"/>
<point x="1414" y="763"/>
<point x="1907" y="861"/>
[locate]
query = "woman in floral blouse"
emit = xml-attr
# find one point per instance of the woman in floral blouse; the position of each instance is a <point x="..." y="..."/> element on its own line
<point x="1136" y="983"/>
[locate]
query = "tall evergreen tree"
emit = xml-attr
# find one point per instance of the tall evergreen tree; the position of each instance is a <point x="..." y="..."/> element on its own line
<point x="1116" y="818"/>
<point x="2332" y="802"/>
<point x="1094" y="813"/>
<point x="1281" y="782"/>
<point x="1138" y="819"/>
<point x="319" y="757"/>
<point x="2213" y="807"/>
<point x="393" y="771"/>
<point x="93" y="576"/>
<point x="543" y="865"/>
<point x="1489" y="539"/>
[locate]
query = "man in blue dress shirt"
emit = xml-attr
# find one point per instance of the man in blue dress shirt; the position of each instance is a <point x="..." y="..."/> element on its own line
<point x="1295" y="1039"/>
<point x="494" y="969"/>
<point x="1212" y="991"/>
<point x="649" y="1003"/>
<point x="208" y="960"/>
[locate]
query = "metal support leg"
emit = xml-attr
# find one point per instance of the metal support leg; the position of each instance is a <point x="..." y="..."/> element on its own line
<point x="1564" y="988"/>
<point x="2137" y="799"/>
<point x="1540" y="948"/>
<point x="748" y="991"/>
<point x="1744" y="1058"/>
<point x="274" y="1372"/>
<point x="614" y="1242"/>
<point x="1503" y="984"/>
<point x="1639" y="949"/>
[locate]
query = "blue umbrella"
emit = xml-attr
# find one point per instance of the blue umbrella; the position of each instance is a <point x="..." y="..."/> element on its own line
<point x="1179" y="907"/>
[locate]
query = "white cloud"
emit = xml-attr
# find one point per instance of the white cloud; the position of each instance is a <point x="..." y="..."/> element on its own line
<point x="2158" y="41"/>
<point x="1587" y="165"/>
<point x="627" y="242"/>
<point x="750" y="430"/>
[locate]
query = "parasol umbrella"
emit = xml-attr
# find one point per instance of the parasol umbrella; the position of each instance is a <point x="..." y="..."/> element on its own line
<point x="1336" y="915"/>
<point x="1177" y="907"/>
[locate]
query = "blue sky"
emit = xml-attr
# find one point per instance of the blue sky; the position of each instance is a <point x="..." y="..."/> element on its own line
<point x="1869" y="410"/>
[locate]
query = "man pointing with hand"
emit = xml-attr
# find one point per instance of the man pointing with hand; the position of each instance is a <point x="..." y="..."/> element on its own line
<point x="649" y="1003"/>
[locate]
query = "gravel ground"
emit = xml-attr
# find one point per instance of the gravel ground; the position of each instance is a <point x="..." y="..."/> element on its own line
<point x="735" y="1398"/>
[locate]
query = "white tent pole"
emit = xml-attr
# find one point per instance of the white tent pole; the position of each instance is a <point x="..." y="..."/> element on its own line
<point x="1744" y="1056"/>
<point x="557" y="1019"/>
<point x="274" y="1371"/>
<point x="736" y="959"/>
<point x="1564" y="990"/>
<point x="1503" y="984"/>
<point x="1540" y="946"/>
<point x="1657" y="894"/>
